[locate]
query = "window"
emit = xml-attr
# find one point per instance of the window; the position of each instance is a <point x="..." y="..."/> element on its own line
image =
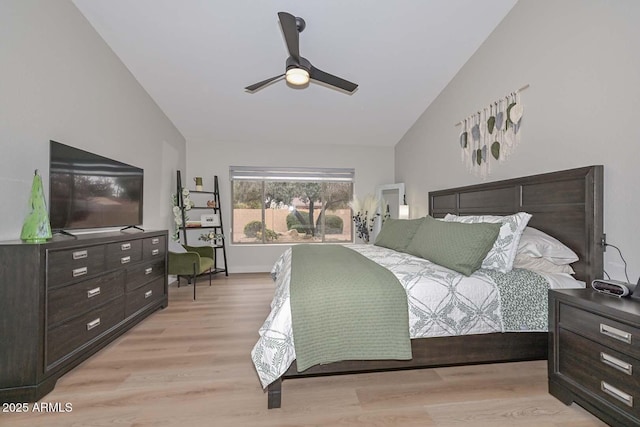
<point x="291" y="205"/>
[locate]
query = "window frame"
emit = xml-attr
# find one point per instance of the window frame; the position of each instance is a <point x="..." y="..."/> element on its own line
<point x="263" y="175"/>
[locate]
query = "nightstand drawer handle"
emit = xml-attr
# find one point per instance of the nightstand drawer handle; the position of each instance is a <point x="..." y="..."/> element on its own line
<point x="155" y="241"/>
<point x="148" y="270"/>
<point x="80" y="271"/>
<point x="80" y="254"/>
<point x="155" y="252"/>
<point x="93" y="292"/>
<point x="623" y="397"/>
<point x="615" y="333"/>
<point x="616" y="363"/>
<point x="148" y="294"/>
<point x="125" y="259"/>
<point x="125" y="246"/>
<point x="93" y="324"/>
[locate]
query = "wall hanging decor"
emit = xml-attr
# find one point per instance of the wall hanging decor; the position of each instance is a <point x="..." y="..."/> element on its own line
<point x="492" y="133"/>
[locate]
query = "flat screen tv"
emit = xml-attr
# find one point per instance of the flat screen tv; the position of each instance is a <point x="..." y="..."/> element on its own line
<point x="90" y="191"/>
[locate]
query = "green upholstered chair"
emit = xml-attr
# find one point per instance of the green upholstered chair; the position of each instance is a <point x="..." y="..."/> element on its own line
<point x="190" y="262"/>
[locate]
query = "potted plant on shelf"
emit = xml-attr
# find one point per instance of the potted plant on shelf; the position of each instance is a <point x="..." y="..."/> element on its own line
<point x="214" y="239"/>
<point x="177" y="210"/>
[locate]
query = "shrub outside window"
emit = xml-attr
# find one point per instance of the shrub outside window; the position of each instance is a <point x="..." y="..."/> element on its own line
<point x="287" y="205"/>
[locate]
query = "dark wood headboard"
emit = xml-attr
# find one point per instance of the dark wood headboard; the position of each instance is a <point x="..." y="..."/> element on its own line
<point x="566" y="205"/>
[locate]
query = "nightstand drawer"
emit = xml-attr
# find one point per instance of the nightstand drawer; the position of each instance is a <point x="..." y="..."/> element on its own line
<point x="76" y="299"/>
<point x="619" y="336"/>
<point x="601" y="371"/>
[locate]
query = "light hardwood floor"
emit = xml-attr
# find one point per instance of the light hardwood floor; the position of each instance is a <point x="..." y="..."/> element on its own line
<point x="189" y="365"/>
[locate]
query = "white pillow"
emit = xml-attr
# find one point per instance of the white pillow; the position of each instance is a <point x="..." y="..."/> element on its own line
<point x="176" y="247"/>
<point x="503" y="252"/>
<point x="540" y="264"/>
<point x="539" y="244"/>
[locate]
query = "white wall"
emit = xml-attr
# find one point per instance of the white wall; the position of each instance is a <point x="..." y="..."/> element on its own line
<point x="583" y="107"/>
<point x="60" y="81"/>
<point x="373" y="166"/>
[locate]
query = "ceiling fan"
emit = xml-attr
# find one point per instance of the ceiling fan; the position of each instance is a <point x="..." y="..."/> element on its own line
<point x="298" y="69"/>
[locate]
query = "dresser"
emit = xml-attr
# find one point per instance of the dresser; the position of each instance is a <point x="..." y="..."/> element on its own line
<point x="594" y="353"/>
<point x="63" y="300"/>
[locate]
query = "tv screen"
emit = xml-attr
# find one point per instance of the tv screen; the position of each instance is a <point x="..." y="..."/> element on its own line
<point x="90" y="191"/>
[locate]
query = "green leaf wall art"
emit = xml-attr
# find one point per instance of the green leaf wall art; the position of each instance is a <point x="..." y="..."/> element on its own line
<point x="492" y="133"/>
<point x="495" y="150"/>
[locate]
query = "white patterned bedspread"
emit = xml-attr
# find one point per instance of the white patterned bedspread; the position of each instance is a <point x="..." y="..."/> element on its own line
<point x="441" y="303"/>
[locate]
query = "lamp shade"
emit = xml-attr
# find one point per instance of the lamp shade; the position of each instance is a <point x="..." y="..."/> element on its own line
<point x="403" y="212"/>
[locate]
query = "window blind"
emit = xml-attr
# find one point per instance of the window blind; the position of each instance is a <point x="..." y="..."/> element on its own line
<point x="258" y="173"/>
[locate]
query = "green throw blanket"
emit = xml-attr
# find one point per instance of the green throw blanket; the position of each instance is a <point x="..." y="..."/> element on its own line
<point x="345" y="307"/>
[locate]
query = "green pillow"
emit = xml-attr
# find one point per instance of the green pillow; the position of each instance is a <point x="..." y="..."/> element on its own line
<point x="458" y="246"/>
<point x="396" y="234"/>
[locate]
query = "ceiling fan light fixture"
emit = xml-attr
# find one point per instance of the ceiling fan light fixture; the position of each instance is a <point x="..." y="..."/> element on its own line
<point x="297" y="76"/>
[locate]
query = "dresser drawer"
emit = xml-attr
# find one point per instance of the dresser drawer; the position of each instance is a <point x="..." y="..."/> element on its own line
<point x="601" y="371"/>
<point x="73" y="300"/>
<point x="619" y="336"/>
<point x="153" y="248"/>
<point x="138" y="275"/>
<point x="144" y="296"/>
<point x="68" y="265"/>
<point x="67" y="338"/>
<point x="122" y="253"/>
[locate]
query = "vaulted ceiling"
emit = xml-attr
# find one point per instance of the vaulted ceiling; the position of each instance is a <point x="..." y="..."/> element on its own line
<point x="195" y="57"/>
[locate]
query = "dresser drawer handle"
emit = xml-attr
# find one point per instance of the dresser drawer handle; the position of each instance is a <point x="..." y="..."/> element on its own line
<point x="125" y="259"/>
<point x="616" y="363"/>
<point x="155" y="252"/>
<point x="148" y="294"/>
<point x="615" y="333"/>
<point x="125" y="246"/>
<point x="93" y="324"/>
<point x="616" y="393"/>
<point x="80" y="254"/>
<point x="93" y="292"/>
<point x="155" y="241"/>
<point x="148" y="270"/>
<point x="80" y="271"/>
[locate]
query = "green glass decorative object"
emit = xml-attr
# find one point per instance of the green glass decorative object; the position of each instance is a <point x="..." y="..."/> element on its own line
<point x="36" y="227"/>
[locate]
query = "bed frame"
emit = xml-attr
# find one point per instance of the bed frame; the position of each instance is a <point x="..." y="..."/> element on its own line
<point x="566" y="204"/>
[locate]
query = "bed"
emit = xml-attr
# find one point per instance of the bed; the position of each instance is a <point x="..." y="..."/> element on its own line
<point x="565" y="204"/>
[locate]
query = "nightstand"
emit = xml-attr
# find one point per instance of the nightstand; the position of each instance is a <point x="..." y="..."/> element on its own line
<point x="594" y="353"/>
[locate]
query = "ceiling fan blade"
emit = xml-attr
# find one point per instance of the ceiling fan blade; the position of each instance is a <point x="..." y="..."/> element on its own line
<point x="291" y="34"/>
<point x="332" y="80"/>
<point x="259" y="85"/>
